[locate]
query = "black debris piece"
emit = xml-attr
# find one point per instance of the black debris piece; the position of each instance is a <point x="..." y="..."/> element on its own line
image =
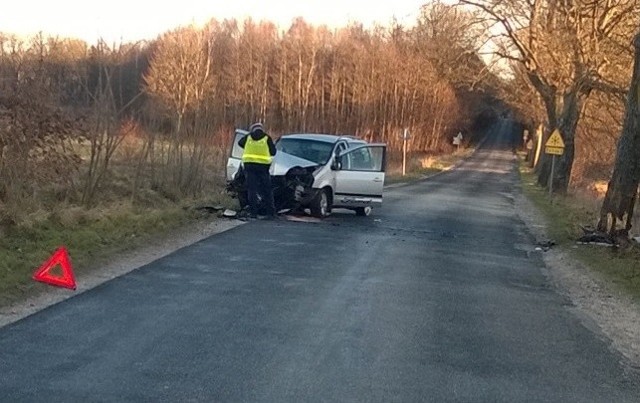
<point x="545" y="245"/>
<point x="596" y="238"/>
<point x="593" y="237"/>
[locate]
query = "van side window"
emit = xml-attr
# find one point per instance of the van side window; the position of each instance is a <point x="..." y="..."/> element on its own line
<point x="365" y="159"/>
<point x="359" y="160"/>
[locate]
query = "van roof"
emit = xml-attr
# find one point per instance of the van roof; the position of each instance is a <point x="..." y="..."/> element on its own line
<point x="328" y="138"/>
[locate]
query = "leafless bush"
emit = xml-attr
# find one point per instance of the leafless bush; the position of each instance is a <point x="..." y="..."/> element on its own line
<point x="35" y="151"/>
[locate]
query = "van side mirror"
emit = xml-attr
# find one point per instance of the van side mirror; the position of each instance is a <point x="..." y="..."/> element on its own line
<point x="336" y="165"/>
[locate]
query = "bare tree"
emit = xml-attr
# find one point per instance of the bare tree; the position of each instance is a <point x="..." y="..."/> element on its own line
<point x="179" y="81"/>
<point x="566" y="49"/>
<point x="35" y="133"/>
<point x="106" y="117"/>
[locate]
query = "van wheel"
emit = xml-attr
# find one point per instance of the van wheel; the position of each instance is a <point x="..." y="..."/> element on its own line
<point x="363" y="211"/>
<point x="320" y="206"/>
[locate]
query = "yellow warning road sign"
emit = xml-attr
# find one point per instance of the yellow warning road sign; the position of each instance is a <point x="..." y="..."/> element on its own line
<point x="555" y="140"/>
<point x="555" y="144"/>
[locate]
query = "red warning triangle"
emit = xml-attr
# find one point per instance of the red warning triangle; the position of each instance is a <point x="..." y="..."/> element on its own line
<point x="60" y="257"/>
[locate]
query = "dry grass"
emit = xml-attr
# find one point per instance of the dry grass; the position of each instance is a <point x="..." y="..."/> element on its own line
<point x="423" y="164"/>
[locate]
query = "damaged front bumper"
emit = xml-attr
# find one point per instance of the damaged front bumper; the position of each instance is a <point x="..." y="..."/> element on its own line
<point x="291" y="191"/>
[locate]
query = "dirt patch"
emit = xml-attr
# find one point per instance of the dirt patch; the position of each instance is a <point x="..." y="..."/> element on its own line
<point x="120" y="265"/>
<point x="597" y="302"/>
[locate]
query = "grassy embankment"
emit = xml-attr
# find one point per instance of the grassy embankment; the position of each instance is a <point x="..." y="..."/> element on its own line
<point x="30" y="232"/>
<point x="564" y="216"/>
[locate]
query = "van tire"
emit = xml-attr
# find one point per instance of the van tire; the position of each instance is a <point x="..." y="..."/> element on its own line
<point x="321" y="205"/>
<point x="363" y="211"/>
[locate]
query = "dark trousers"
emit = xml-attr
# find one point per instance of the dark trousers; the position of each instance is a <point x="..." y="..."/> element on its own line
<point x="259" y="190"/>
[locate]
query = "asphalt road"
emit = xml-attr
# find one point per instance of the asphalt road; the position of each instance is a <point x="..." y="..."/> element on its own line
<point x="435" y="297"/>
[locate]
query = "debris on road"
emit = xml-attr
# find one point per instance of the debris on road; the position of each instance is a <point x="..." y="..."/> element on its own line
<point x="297" y="218"/>
<point x="284" y="214"/>
<point x="545" y="245"/>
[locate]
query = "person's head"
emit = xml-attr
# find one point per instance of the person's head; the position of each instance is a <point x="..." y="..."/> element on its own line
<point x="256" y="129"/>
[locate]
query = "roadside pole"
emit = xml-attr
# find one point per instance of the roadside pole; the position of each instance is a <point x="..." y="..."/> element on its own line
<point x="553" y="170"/>
<point x="405" y="137"/>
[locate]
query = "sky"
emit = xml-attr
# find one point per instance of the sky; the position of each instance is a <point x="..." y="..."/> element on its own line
<point x="132" y="20"/>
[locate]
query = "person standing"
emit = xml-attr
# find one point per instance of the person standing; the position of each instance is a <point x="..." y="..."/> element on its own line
<point x="259" y="150"/>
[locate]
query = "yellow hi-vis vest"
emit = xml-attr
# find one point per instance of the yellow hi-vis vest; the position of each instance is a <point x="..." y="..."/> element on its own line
<point x="257" y="151"/>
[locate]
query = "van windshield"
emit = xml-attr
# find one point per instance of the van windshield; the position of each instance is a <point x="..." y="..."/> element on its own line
<point x="315" y="151"/>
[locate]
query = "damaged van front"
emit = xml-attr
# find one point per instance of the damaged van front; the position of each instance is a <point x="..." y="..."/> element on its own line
<point x="305" y="173"/>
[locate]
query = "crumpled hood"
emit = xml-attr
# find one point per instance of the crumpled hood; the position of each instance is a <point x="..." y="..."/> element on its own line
<point x="283" y="162"/>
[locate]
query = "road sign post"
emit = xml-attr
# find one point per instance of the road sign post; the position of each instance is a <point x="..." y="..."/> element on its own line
<point x="553" y="170"/>
<point x="405" y="137"/>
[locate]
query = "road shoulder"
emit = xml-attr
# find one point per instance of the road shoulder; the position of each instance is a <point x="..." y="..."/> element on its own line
<point x="602" y="308"/>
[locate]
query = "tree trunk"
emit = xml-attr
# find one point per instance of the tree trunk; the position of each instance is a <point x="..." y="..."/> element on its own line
<point x="622" y="193"/>
<point x="539" y="137"/>
<point x="573" y="101"/>
<point x="573" y="104"/>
